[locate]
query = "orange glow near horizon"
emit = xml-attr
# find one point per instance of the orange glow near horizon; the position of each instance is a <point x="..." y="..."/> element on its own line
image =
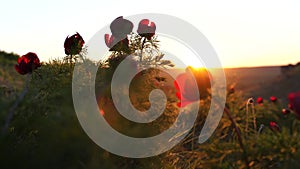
<point x="240" y="37"/>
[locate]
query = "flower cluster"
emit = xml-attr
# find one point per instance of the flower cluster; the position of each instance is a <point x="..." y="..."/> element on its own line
<point x="260" y="100"/>
<point x="294" y="104"/>
<point x="121" y="28"/>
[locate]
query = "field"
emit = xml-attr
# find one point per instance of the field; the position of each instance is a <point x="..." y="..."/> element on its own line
<point x="263" y="82"/>
<point x="258" y="81"/>
<point x="45" y="131"/>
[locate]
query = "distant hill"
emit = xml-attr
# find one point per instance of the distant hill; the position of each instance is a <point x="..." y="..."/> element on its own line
<point x="264" y="81"/>
<point x="7" y="57"/>
<point x="9" y="78"/>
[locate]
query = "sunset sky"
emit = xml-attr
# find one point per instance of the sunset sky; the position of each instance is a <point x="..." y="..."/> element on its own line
<point x="252" y="33"/>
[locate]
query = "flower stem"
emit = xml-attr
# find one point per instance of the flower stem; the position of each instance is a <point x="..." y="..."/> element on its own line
<point x="13" y="108"/>
<point x="143" y="43"/>
<point x="226" y="110"/>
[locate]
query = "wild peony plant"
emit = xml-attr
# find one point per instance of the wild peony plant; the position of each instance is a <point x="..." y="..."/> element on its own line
<point x="143" y="44"/>
<point x="142" y="48"/>
<point x="73" y="47"/>
<point x="26" y="65"/>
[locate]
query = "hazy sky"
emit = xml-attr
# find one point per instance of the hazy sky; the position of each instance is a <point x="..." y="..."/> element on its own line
<point x="243" y="33"/>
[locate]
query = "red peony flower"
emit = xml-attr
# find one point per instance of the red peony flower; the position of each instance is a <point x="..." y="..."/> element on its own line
<point x="109" y="40"/>
<point x="187" y="83"/>
<point x="116" y="45"/>
<point x="121" y="27"/>
<point x="259" y="100"/>
<point x="27" y="63"/>
<point x="273" y="99"/>
<point x="146" y="28"/>
<point x="73" y="44"/>
<point x="118" y="41"/>
<point x="274" y="126"/>
<point x="294" y="102"/>
<point x="285" y="111"/>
